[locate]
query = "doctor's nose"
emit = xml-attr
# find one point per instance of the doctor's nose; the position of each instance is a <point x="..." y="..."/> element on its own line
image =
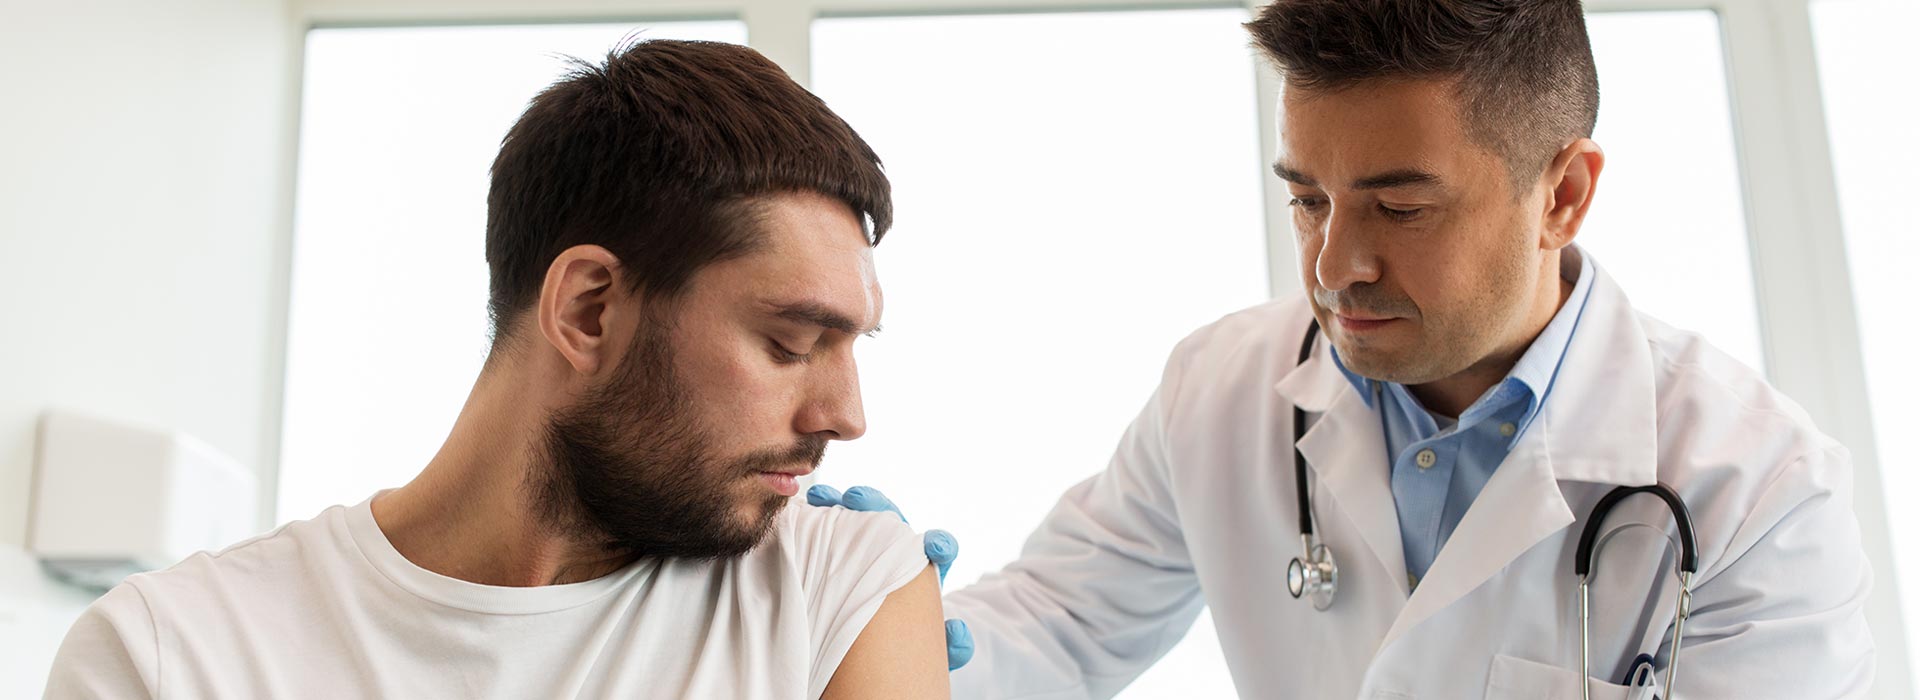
<point x="1345" y="257"/>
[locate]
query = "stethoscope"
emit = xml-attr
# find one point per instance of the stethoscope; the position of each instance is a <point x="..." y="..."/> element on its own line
<point x="1314" y="575"/>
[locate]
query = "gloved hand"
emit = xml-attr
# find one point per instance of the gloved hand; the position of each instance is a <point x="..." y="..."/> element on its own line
<point x="940" y="547"/>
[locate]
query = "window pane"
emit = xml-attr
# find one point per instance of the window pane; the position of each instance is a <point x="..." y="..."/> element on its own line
<point x="1070" y="206"/>
<point x="388" y="323"/>
<point x="1864" y="48"/>
<point x="1668" y="222"/>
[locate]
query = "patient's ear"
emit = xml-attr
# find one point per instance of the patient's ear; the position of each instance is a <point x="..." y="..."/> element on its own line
<point x="576" y="305"/>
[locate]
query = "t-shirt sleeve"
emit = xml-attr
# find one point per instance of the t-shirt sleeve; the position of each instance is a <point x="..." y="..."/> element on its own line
<point x="111" y="652"/>
<point x="850" y="562"/>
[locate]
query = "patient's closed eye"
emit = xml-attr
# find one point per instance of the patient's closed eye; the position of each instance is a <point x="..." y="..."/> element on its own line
<point x="785" y="356"/>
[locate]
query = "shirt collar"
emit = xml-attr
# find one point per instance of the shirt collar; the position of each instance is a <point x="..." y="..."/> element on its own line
<point x="1533" y="375"/>
<point x="1541" y="363"/>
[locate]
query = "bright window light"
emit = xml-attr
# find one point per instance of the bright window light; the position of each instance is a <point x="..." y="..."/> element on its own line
<point x="1070" y="206"/>
<point x="1668" y="221"/>
<point x="1867" y="64"/>
<point x="388" y="321"/>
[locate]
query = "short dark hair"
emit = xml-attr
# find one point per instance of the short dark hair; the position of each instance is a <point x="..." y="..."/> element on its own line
<point x="1523" y="69"/>
<point x="659" y="155"/>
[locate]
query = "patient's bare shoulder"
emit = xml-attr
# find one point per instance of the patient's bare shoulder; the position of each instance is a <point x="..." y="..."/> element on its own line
<point x="902" y="652"/>
<point x="857" y="573"/>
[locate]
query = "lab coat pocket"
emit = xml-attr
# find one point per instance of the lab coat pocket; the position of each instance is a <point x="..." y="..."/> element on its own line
<point x="1514" y="678"/>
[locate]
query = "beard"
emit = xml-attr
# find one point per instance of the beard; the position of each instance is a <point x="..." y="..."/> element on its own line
<point x="629" y="468"/>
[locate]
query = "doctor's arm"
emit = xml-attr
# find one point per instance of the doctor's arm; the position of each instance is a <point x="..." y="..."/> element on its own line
<point x="1781" y="614"/>
<point x="1101" y="590"/>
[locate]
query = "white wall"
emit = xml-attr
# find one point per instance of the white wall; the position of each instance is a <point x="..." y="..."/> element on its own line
<point x="143" y="216"/>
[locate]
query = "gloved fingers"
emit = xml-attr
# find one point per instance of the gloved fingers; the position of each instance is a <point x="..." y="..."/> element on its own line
<point x="867" y="498"/>
<point x="959" y="644"/>
<point x="823" y="495"/>
<point x="941" y="549"/>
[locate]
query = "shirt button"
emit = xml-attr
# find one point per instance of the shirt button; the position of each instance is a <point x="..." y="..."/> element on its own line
<point x="1412" y="582"/>
<point x="1507" y="429"/>
<point x="1425" y="459"/>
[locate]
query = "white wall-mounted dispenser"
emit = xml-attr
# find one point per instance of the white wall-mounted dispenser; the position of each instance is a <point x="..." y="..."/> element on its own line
<point x="112" y="499"/>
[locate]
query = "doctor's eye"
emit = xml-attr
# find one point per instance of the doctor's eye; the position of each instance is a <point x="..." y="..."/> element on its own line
<point x="1399" y="214"/>
<point x="1306" y="203"/>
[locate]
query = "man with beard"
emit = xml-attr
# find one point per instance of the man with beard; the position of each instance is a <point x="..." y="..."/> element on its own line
<point x="679" y="250"/>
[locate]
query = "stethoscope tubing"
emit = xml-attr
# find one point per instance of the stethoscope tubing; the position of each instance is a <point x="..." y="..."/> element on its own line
<point x="1316" y="554"/>
<point x="1299" y="433"/>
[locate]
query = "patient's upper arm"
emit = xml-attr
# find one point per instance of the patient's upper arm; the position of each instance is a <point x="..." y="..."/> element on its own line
<point x="110" y="652"/>
<point x="902" y="652"/>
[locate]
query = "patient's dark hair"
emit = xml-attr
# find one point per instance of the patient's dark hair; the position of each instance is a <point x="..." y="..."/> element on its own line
<point x="1522" y="69"/>
<point x="660" y="155"/>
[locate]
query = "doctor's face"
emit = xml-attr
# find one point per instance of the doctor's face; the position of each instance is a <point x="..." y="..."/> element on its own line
<point x="1420" y="260"/>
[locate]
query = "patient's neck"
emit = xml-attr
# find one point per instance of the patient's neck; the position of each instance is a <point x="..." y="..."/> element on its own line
<point x="470" y="515"/>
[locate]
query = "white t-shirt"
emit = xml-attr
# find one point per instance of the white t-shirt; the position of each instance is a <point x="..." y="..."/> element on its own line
<point x="328" y="608"/>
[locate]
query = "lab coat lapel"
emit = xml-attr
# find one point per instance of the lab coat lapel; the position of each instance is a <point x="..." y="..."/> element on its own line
<point x="1520" y="506"/>
<point x="1601" y="417"/>
<point x="1597" y="426"/>
<point x="1347" y="456"/>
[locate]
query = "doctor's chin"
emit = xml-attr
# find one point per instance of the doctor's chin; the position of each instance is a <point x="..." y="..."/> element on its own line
<point x="1383" y="350"/>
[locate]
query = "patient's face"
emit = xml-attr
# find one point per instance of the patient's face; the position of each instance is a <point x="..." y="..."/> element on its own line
<point x="692" y="446"/>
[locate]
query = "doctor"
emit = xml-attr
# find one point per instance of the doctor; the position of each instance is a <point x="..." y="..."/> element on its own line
<point x="1477" y="385"/>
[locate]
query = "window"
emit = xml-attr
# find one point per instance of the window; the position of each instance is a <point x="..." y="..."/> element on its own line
<point x="1860" y="44"/>
<point x="1069" y="207"/>
<point x="1668" y="222"/>
<point x="388" y="322"/>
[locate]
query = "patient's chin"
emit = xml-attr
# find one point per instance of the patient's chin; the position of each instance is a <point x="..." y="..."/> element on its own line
<point x="758" y="517"/>
<point x="750" y="523"/>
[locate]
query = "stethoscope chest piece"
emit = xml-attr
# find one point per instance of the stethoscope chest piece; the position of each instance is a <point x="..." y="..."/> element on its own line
<point x="1316" y="578"/>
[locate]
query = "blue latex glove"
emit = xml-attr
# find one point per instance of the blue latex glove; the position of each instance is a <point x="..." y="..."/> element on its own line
<point x="939" y="545"/>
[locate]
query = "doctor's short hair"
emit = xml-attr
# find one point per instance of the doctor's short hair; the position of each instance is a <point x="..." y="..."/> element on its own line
<point x="1522" y="69"/>
<point x="661" y="155"/>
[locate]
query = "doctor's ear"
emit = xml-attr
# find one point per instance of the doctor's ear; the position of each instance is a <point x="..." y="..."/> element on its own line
<point x="576" y="305"/>
<point x="1571" y="179"/>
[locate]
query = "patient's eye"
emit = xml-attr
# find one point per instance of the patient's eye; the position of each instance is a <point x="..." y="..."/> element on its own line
<point x="787" y="357"/>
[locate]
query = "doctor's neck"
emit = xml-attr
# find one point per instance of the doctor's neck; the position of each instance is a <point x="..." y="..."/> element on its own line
<point x="1452" y="395"/>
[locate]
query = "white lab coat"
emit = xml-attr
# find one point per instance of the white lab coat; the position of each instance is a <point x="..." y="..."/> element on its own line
<point x="1198" y="507"/>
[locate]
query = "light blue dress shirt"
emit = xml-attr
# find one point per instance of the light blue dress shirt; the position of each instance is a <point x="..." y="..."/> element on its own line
<point x="1440" y="465"/>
